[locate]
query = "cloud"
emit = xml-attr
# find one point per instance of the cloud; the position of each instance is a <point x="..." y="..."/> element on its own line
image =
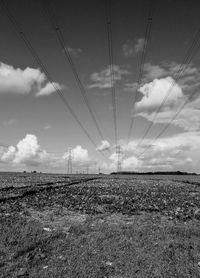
<point x="154" y="71"/>
<point x="48" y="89"/>
<point x="130" y="87"/>
<point x="188" y="117"/>
<point x="157" y="90"/>
<point x="128" y="158"/>
<point x="174" y="152"/>
<point x="75" y="52"/>
<point x="188" y="79"/>
<point x="127" y="162"/>
<point x="79" y="154"/>
<point x="131" y="48"/>
<point x="102" y="79"/>
<point x="16" y="81"/>
<point x="9" y="154"/>
<point x="177" y="102"/>
<point x="131" y="163"/>
<point x="177" y="152"/>
<point x="174" y="67"/>
<point x="128" y="49"/>
<point x="186" y="76"/>
<point x="27" y="151"/>
<point x="140" y="43"/>
<point x="105" y="145"/>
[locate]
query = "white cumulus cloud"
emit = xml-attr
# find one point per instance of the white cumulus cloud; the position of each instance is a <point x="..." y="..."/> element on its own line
<point x="79" y="154"/>
<point x="27" y="151"/>
<point x="158" y="90"/>
<point x="17" y="81"/>
<point x="105" y="145"/>
<point x="174" y="102"/>
<point x="48" y="89"/>
<point x="177" y="152"/>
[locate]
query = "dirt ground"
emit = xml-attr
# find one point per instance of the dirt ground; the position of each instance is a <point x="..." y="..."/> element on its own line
<point x="100" y="227"/>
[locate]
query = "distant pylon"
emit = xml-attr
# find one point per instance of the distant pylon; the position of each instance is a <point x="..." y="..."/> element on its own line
<point x="119" y="156"/>
<point x="69" y="161"/>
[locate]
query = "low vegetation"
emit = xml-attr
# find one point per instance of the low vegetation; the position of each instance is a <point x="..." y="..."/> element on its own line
<point x="107" y="227"/>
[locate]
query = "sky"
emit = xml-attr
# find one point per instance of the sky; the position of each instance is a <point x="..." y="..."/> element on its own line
<point x="37" y="129"/>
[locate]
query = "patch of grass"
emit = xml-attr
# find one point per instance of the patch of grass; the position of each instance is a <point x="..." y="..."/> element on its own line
<point x="106" y="228"/>
<point x="109" y="245"/>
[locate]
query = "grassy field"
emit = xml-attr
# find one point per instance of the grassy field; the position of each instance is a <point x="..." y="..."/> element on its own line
<point x="100" y="227"/>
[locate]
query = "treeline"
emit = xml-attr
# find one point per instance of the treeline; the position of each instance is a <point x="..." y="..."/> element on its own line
<point x="153" y="173"/>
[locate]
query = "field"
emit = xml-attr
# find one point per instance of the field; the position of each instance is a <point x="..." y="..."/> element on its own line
<point x="99" y="226"/>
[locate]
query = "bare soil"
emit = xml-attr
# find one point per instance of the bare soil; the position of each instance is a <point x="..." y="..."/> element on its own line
<point x="99" y="226"/>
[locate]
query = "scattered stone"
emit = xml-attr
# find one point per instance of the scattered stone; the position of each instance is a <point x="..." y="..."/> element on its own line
<point x="45" y="266"/>
<point x="47" y="229"/>
<point x="108" y="263"/>
<point x="61" y="257"/>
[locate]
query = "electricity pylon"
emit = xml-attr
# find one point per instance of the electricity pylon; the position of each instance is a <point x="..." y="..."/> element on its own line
<point x="119" y="156"/>
<point x="69" y="161"/>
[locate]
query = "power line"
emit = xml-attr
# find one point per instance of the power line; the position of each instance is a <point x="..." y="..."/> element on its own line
<point x="51" y="152"/>
<point x="193" y="49"/>
<point x="112" y="76"/>
<point x="168" y="124"/>
<point x="142" y="62"/>
<point x="35" y="56"/>
<point x="52" y="17"/>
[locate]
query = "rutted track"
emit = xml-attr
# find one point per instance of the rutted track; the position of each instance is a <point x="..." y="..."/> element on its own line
<point x="94" y="195"/>
<point x="7" y="188"/>
<point x="20" y="192"/>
